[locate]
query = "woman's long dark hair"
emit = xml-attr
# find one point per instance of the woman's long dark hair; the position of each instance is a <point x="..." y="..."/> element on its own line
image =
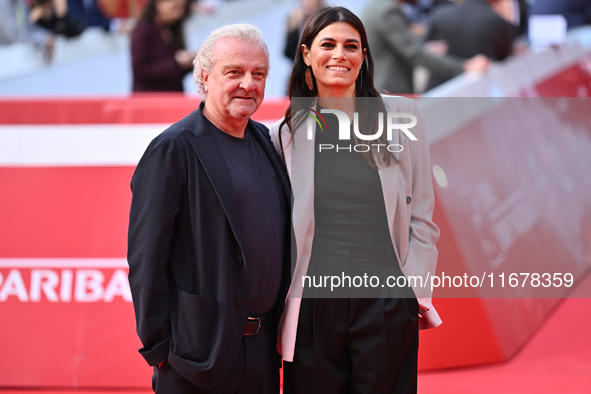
<point x="176" y="29"/>
<point x="364" y="86"/>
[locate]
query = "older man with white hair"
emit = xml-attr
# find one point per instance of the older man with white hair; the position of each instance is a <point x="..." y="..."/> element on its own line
<point x="209" y="232"/>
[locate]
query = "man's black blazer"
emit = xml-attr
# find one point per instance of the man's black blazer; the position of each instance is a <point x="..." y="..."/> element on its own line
<point x="187" y="273"/>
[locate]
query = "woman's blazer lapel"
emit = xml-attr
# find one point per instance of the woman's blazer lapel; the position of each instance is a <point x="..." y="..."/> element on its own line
<point x="299" y="159"/>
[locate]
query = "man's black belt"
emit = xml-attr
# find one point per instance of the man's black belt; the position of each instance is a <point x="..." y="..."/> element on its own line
<point x="254" y="324"/>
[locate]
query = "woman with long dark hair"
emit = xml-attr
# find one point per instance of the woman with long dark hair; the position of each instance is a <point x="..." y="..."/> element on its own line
<point x="362" y="219"/>
<point x="158" y="51"/>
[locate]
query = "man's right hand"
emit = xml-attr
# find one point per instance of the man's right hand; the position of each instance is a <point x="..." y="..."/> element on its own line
<point x="477" y="64"/>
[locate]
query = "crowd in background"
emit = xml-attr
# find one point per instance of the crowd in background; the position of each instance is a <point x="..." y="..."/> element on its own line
<point x="38" y="22"/>
<point x="442" y="37"/>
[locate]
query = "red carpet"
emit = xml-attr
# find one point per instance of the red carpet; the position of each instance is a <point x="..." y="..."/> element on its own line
<point x="557" y="359"/>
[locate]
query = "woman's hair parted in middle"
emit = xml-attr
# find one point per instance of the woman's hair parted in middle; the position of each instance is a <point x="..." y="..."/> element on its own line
<point x="364" y="85"/>
<point x="319" y="20"/>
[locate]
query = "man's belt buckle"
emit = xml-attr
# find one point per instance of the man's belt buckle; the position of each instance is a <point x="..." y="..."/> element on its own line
<point x="252" y="325"/>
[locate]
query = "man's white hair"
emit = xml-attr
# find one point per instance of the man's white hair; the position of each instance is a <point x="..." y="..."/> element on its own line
<point x="204" y="60"/>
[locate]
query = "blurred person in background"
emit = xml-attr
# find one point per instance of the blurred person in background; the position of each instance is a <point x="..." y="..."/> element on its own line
<point x="397" y="50"/>
<point x="473" y="27"/>
<point x="53" y="15"/>
<point x="15" y="27"/>
<point x="353" y="210"/>
<point x="122" y="8"/>
<point x="159" y="56"/>
<point x="418" y="11"/>
<point x="576" y="12"/>
<point x="295" y="23"/>
<point x="437" y="5"/>
<point x="516" y="12"/>
<point x="91" y="13"/>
